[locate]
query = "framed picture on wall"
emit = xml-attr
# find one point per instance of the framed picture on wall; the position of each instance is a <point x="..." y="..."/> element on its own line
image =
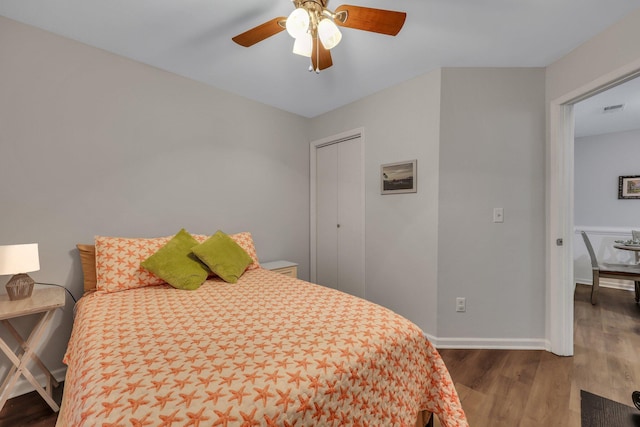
<point x="629" y="187"/>
<point x="399" y="177"/>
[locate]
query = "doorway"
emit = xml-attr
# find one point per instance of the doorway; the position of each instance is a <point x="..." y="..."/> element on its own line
<point x="560" y="215"/>
<point x="607" y="128"/>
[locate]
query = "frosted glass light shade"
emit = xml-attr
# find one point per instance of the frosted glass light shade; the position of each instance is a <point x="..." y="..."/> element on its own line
<point x="303" y="45"/>
<point x="298" y="22"/>
<point x="16" y="259"/>
<point x="329" y="33"/>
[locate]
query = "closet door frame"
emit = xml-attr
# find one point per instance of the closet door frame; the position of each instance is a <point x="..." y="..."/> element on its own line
<point x="313" y="147"/>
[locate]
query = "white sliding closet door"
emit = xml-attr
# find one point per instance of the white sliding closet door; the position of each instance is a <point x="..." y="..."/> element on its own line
<point x="327" y="216"/>
<point x="339" y="221"/>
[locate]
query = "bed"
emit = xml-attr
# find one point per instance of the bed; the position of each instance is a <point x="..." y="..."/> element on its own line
<point x="268" y="350"/>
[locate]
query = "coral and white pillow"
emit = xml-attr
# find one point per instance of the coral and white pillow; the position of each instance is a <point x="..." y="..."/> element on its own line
<point x="118" y="260"/>
<point x="245" y="241"/>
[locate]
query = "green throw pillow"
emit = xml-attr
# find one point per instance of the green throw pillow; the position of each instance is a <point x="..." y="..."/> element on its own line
<point x="223" y="256"/>
<point x="176" y="264"/>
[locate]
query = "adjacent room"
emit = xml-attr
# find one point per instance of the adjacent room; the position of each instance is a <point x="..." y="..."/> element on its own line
<point x="362" y="213"/>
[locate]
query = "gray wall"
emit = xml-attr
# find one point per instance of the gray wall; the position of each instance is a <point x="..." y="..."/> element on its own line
<point x="92" y="143"/>
<point x="616" y="48"/>
<point x="492" y="155"/>
<point x="599" y="161"/>
<point x="400" y="123"/>
<point x="449" y="246"/>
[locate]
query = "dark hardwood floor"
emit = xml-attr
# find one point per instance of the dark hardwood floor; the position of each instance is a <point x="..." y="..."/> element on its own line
<point x="536" y="388"/>
<point x="504" y="387"/>
<point x="30" y="410"/>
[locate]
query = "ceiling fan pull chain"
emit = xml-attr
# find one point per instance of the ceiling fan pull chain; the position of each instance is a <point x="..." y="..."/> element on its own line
<point x="311" y="59"/>
<point x="317" y="54"/>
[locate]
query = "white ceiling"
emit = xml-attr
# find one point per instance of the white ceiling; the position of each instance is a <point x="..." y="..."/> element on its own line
<point x="592" y="119"/>
<point x="192" y="38"/>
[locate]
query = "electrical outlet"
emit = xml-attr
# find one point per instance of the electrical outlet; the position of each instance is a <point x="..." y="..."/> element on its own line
<point x="461" y="304"/>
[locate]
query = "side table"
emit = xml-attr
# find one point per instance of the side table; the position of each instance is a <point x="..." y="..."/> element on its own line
<point x="283" y="267"/>
<point x="43" y="302"/>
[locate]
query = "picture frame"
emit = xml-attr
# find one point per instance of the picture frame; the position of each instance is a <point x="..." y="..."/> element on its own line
<point x="399" y="177"/>
<point x="629" y="187"/>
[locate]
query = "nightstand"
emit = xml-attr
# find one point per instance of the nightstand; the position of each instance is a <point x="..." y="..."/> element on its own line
<point x="43" y="302"/>
<point x="283" y="267"/>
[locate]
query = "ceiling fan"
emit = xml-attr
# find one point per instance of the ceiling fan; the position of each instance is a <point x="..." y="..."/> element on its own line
<point x="314" y="28"/>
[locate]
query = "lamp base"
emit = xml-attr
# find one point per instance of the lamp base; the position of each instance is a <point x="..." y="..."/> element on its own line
<point x="20" y="286"/>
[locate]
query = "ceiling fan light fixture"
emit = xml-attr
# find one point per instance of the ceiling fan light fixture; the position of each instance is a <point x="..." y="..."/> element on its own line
<point x="329" y="33"/>
<point x="303" y="45"/>
<point x="298" y="22"/>
<point x="311" y="19"/>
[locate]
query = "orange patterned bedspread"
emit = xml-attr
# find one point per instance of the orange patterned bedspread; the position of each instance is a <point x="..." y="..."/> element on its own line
<point x="267" y="351"/>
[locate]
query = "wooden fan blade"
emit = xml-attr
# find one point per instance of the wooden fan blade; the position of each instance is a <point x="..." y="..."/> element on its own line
<point x="261" y="32"/>
<point x="368" y="19"/>
<point x="320" y="57"/>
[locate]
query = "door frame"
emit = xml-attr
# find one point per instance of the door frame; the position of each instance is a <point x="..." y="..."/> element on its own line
<point x="560" y="211"/>
<point x="313" y="147"/>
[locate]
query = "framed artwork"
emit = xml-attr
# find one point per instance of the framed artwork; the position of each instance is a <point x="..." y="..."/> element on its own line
<point x="629" y="187"/>
<point x="400" y="177"/>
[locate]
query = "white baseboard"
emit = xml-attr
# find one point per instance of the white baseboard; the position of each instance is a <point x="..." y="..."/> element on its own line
<point x="490" y="343"/>
<point x="433" y="340"/>
<point x="494" y="343"/>
<point x="23" y="386"/>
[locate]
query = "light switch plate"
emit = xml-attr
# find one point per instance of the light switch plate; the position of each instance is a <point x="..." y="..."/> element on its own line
<point x="498" y="215"/>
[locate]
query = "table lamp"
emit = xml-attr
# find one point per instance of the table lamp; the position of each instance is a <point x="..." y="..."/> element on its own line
<point x="19" y="260"/>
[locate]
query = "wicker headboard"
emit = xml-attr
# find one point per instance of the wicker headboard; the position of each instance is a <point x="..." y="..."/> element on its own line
<point x="88" y="260"/>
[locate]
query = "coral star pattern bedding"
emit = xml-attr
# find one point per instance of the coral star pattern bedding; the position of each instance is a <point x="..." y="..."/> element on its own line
<point x="269" y="350"/>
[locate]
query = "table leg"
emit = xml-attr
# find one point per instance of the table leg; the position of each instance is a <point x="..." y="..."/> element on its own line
<point x="36" y="359"/>
<point x="20" y="363"/>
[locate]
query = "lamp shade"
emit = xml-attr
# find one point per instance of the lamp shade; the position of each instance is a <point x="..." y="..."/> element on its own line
<point x="303" y="45"/>
<point x="329" y="33"/>
<point x="15" y="259"/>
<point x="298" y="22"/>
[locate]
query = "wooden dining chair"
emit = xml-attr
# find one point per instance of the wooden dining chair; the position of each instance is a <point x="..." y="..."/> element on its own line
<point x="611" y="271"/>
